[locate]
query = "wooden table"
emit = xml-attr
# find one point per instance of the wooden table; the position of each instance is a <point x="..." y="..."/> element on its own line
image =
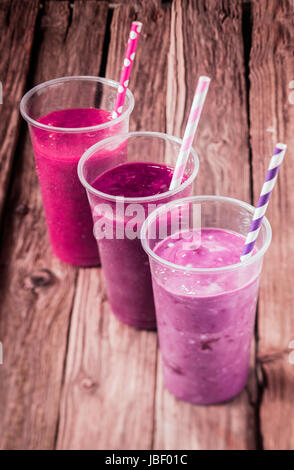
<point x="73" y="377"/>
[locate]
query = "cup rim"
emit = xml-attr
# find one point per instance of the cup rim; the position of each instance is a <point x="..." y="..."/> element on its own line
<point x="179" y="202"/>
<point x="157" y="197"/>
<point x="73" y="130"/>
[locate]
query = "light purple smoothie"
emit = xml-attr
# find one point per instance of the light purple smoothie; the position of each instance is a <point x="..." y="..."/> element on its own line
<point x="205" y="322"/>
<point x="67" y="210"/>
<point x="125" y="264"/>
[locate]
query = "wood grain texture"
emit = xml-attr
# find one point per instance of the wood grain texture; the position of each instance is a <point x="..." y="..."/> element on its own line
<point x="222" y="144"/>
<point x="36" y="289"/>
<point x="108" y="393"/>
<point x="149" y="74"/>
<point x="213" y="48"/>
<point x="108" y="399"/>
<point x="73" y="376"/>
<point x="70" y="48"/>
<point x="272" y="118"/>
<point x="17" y="24"/>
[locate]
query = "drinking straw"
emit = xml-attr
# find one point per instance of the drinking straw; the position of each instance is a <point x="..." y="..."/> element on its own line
<point x="263" y="201"/>
<point x="127" y="67"/>
<point x="195" y="113"/>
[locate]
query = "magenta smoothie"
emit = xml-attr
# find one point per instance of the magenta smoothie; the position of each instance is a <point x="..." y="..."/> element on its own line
<point x="125" y="264"/>
<point x="205" y="322"/>
<point x="65" y="201"/>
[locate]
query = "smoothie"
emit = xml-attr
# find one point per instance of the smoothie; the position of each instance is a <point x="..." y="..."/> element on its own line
<point x="65" y="201"/>
<point x="120" y="199"/>
<point x="125" y="264"/>
<point x="205" y="321"/>
<point x="136" y="179"/>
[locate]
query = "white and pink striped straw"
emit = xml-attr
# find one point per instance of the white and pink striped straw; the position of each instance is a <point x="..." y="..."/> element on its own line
<point x="263" y="201"/>
<point x="195" y="113"/>
<point x="127" y="68"/>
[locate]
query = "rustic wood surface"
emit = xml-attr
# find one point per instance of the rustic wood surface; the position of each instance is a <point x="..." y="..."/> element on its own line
<point x="272" y="118"/>
<point x="17" y="25"/>
<point x="73" y="377"/>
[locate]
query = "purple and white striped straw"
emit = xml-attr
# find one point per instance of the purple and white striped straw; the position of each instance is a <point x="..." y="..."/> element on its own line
<point x="263" y="201"/>
<point x="194" y="116"/>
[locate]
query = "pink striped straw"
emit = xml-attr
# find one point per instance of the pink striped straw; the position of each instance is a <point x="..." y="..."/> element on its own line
<point x="195" y="113"/>
<point x="263" y="201"/>
<point x="127" y="68"/>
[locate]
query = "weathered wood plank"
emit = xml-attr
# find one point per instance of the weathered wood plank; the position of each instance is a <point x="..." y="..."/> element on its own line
<point x="17" y="23"/>
<point x="109" y="382"/>
<point x="214" y="47"/>
<point x="149" y="73"/>
<point x="108" y="399"/>
<point x="272" y="118"/>
<point x="38" y="290"/>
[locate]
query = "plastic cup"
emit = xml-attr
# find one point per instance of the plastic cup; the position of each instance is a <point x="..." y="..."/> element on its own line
<point x="124" y="262"/>
<point x="57" y="152"/>
<point x="205" y="317"/>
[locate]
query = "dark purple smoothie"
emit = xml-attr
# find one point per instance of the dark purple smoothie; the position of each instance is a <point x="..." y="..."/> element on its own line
<point x="136" y="179"/>
<point x="205" y="320"/>
<point x="125" y="264"/>
<point x="67" y="210"/>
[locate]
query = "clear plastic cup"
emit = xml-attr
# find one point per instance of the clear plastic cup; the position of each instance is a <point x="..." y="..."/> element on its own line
<point x="205" y="316"/>
<point x="124" y="262"/>
<point x="58" y="150"/>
